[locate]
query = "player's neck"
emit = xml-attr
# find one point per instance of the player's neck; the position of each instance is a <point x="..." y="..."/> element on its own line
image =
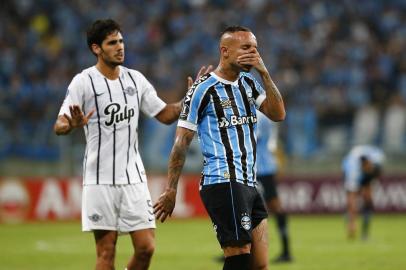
<point x="226" y="73"/>
<point x="110" y="72"/>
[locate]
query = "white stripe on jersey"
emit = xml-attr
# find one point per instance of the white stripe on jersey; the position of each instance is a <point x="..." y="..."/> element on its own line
<point x="112" y="155"/>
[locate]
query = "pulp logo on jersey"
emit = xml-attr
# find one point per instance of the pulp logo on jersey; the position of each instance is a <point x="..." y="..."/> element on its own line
<point x="95" y="217"/>
<point x="116" y="115"/>
<point x="246" y="221"/>
<point x="236" y="120"/>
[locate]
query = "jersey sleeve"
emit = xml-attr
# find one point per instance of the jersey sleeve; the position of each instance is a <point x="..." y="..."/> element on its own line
<point x="151" y="104"/>
<point x="258" y="91"/>
<point x="74" y="95"/>
<point x="194" y="103"/>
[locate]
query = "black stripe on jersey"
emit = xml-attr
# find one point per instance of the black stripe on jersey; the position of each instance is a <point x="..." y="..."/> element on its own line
<point x="240" y="132"/>
<point x="136" y="165"/>
<point x="250" y="124"/>
<point x="129" y="134"/>
<point x="223" y="132"/>
<point x="203" y="105"/>
<point x="114" y="138"/>
<point x="255" y="92"/>
<point x="136" y="89"/>
<point x="98" y="124"/>
<point x="87" y="148"/>
<point x="136" y="130"/>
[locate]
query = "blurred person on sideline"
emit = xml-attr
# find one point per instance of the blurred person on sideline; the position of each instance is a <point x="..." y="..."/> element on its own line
<point x="361" y="166"/>
<point x="106" y="100"/>
<point x="221" y="108"/>
<point x="267" y="171"/>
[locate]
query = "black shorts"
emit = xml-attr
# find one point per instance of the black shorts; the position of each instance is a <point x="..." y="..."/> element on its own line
<point x="235" y="209"/>
<point x="367" y="178"/>
<point x="268" y="186"/>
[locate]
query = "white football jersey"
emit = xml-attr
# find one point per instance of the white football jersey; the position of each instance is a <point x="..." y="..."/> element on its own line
<point x="351" y="164"/>
<point x="112" y="155"/>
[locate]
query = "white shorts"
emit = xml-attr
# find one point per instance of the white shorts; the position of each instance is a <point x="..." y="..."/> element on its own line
<point x="122" y="208"/>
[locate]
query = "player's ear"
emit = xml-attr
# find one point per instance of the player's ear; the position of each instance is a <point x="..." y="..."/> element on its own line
<point x="224" y="51"/>
<point x="96" y="49"/>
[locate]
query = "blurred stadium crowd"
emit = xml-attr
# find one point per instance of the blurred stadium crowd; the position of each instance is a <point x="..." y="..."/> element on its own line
<point x="340" y="64"/>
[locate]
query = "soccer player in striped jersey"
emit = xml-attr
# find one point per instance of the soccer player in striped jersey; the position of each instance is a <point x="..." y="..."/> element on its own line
<point x="106" y="100"/>
<point x="267" y="169"/>
<point x="361" y="166"/>
<point x="221" y="108"/>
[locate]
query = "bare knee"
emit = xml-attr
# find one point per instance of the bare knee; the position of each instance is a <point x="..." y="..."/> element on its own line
<point x="145" y="252"/>
<point x="106" y="254"/>
<point x="234" y="250"/>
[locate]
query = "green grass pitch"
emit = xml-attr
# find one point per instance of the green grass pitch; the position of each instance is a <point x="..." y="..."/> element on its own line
<point x="318" y="242"/>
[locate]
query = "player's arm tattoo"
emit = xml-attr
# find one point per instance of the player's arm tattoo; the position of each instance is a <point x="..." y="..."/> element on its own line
<point x="271" y="88"/>
<point x="178" y="155"/>
<point x="273" y="105"/>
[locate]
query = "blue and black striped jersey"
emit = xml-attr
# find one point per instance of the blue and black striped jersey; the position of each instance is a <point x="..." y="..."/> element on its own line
<point x="224" y="115"/>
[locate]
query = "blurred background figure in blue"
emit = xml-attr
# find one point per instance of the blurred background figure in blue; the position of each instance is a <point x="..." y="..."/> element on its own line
<point x="267" y="174"/>
<point x="361" y="166"/>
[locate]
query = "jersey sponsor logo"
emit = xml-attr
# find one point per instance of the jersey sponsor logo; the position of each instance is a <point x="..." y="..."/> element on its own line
<point x="185" y="111"/>
<point x="117" y="114"/>
<point x="130" y="90"/>
<point x="236" y="120"/>
<point x="186" y="102"/>
<point x="246" y="221"/>
<point x="95" y="217"/>
<point x="99" y="94"/>
<point x="189" y="93"/>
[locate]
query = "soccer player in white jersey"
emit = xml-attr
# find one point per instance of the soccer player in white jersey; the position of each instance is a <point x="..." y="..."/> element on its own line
<point x="361" y="166"/>
<point x="106" y="100"/>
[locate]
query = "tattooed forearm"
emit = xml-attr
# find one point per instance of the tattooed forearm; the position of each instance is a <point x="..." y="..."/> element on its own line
<point x="271" y="88"/>
<point x="273" y="105"/>
<point x="178" y="155"/>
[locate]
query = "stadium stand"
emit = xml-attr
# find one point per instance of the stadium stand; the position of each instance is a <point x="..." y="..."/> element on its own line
<point x="341" y="65"/>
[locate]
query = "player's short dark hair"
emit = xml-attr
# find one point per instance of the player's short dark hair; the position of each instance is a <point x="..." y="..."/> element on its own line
<point x="99" y="30"/>
<point x="235" y="28"/>
<point x="363" y="158"/>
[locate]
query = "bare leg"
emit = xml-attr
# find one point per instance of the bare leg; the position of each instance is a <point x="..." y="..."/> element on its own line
<point x="259" y="246"/>
<point x="367" y="208"/>
<point x="105" y="249"/>
<point x="144" y="246"/>
<point x="352" y="213"/>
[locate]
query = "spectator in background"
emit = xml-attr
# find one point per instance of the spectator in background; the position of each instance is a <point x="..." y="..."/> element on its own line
<point x="361" y="166"/>
<point x="325" y="66"/>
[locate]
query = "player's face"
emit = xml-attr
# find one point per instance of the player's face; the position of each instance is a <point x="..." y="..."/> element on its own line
<point x="243" y="42"/>
<point x="112" y="49"/>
